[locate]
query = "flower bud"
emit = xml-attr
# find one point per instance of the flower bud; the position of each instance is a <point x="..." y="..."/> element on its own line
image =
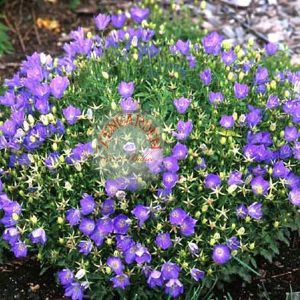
<point x="223" y="140"/>
<point x="209" y="271"/>
<point x="26" y="126"/>
<point x="235" y="116"/>
<point x="281" y="134"/>
<point x="287" y="94"/>
<point x="44" y="120"/>
<point x="135" y="56"/>
<point x="217" y="236"/>
<point x="33" y="219"/>
<point x="227" y="44"/>
<point x="204" y="208"/>
<point x="15" y="217"/>
<point x="32" y="139"/>
<point x="89" y="35"/>
<point x="124" y="205"/>
<point x="270" y="170"/>
<point x="240" y="54"/>
<point x="272" y="127"/>
<point x="241" y="231"/>
<point x="212" y="241"/>
<point x="251" y="42"/>
<point x="241" y="76"/>
<point x="237" y="48"/>
<point x="80" y="274"/>
<point x="252" y="246"/>
<point x="68" y="186"/>
<point x="113" y="105"/>
<point x="231" y="189"/>
<point x="242" y="118"/>
<point x="203" y="5"/>
<point x="109" y="241"/>
<point x="231" y="76"/>
<point x="60" y="220"/>
<point x="30" y="119"/>
<point x="159" y="227"/>
<point x="185" y="265"/>
<point x="105" y="75"/>
<point x="273" y="84"/>
<point x="54" y="147"/>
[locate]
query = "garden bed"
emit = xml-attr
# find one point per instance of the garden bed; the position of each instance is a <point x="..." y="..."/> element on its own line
<point x="18" y="278"/>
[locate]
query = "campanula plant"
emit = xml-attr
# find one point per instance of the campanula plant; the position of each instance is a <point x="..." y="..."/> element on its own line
<point x="225" y="188"/>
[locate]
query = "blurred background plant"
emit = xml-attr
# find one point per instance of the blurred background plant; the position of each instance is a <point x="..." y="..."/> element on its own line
<point x="74" y="4"/>
<point x="5" y="44"/>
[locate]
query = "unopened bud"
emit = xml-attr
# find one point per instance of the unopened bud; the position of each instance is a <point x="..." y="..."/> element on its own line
<point x="60" y="220"/>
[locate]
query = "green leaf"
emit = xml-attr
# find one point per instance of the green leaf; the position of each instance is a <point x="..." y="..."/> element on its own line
<point x="5" y="44"/>
<point x="74" y="4"/>
<point x="246" y="266"/>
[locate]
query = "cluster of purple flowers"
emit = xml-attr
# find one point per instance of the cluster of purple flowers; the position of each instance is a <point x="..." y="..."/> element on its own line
<point x="12" y="211"/>
<point x="126" y="90"/>
<point x="187" y="224"/>
<point x="119" y="226"/>
<point x="73" y="288"/>
<point x="222" y="252"/>
<point x="254" y="211"/>
<point x="96" y="230"/>
<point x="184" y="48"/>
<point x="213" y="181"/>
<point x="168" y="276"/>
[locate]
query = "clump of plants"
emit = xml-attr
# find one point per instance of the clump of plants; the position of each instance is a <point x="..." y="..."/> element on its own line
<point x="225" y="184"/>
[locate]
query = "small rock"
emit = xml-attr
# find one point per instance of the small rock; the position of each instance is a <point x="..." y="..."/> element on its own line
<point x="239" y="3"/>
<point x="275" y="37"/>
<point x="295" y="21"/>
<point x="228" y="31"/>
<point x="88" y="9"/>
<point x="240" y="33"/>
<point x="295" y="59"/>
<point x="35" y="288"/>
<point x="208" y="26"/>
<point x="263" y="26"/>
<point x="271" y="12"/>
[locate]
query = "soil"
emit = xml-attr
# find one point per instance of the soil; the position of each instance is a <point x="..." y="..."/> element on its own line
<point x="279" y="280"/>
<point x="32" y="26"/>
<point x="20" y="279"/>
